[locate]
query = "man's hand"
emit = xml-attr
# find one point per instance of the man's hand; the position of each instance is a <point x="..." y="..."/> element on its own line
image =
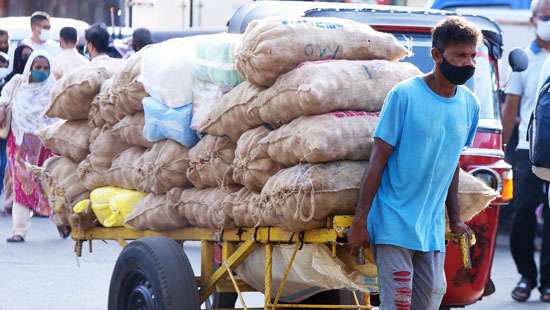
<point x="358" y="236"/>
<point x="461" y="228"/>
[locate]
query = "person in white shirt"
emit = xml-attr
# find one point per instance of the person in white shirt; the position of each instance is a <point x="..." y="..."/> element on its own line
<point x="40" y="38"/>
<point x="69" y="59"/>
<point x="97" y="43"/>
<point x="522" y="91"/>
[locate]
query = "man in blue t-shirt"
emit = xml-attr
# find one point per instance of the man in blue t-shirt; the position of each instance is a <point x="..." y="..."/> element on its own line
<point x="425" y="124"/>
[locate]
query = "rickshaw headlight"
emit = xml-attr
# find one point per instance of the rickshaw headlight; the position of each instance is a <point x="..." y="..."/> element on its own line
<point x="490" y="177"/>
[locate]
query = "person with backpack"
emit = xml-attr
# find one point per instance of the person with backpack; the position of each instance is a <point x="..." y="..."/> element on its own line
<point x="521" y="91"/>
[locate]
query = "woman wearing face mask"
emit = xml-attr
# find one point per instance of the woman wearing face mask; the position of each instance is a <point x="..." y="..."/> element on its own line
<point x="27" y="95"/>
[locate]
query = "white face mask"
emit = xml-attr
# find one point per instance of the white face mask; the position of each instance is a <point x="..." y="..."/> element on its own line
<point x="4" y="72"/>
<point x="543" y="30"/>
<point x="44" y="35"/>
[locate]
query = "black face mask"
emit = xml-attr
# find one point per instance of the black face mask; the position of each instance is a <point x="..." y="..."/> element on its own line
<point x="455" y="74"/>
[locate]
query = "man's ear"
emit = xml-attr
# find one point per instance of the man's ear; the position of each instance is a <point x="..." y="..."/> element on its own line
<point x="436" y="55"/>
<point x="533" y="21"/>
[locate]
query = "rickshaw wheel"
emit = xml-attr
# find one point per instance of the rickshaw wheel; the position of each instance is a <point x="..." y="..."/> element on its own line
<point x="153" y="274"/>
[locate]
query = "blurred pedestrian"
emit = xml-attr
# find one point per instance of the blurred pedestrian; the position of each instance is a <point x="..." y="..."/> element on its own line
<point x="521" y="96"/>
<point x="26" y="97"/>
<point x="4" y="41"/>
<point x="20" y="57"/>
<point x="4" y="67"/>
<point x="97" y="43"/>
<point x="69" y="58"/>
<point x="141" y="37"/>
<point x="41" y="34"/>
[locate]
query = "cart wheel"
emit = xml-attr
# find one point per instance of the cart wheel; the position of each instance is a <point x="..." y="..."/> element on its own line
<point x="153" y="274"/>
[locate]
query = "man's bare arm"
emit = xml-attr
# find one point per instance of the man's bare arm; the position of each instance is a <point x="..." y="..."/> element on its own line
<point x="381" y="151"/>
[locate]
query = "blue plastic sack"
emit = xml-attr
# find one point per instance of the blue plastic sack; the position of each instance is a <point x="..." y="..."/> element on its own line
<point x="163" y="122"/>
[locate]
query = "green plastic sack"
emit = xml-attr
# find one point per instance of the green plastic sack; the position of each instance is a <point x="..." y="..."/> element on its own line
<point x="215" y="59"/>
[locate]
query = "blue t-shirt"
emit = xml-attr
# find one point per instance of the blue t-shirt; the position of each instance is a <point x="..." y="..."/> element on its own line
<point x="428" y="133"/>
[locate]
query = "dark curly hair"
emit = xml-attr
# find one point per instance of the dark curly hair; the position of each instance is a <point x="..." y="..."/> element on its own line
<point x="453" y="30"/>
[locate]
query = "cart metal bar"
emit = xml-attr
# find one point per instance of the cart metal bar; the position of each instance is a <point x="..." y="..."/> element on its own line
<point x="241" y="298"/>
<point x="285" y="277"/>
<point x="238" y="257"/>
<point x="268" y="272"/>
<point x="207" y="261"/>
<point x="319" y="306"/>
<point x="261" y="234"/>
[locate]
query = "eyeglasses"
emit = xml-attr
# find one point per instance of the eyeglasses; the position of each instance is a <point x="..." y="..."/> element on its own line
<point x="543" y="18"/>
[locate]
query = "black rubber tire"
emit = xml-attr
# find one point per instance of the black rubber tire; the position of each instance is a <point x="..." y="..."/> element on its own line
<point x="224" y="300"/>
<point x="153" y="271"/>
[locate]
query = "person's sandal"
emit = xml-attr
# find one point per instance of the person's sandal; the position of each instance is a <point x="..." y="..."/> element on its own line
<point x="523" y="289"/>
<point x="15" y="239"/>
<point x="64" y="231"/>
<point x="545" y="294"/>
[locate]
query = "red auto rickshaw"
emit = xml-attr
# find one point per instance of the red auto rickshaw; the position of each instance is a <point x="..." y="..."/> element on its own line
<point x="485" y="159"/>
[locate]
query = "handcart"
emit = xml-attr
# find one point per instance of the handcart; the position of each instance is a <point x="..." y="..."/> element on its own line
<point x="170" y="283"/>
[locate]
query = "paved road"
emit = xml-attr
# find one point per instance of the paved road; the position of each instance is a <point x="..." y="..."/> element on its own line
<point x="43" y="273"/>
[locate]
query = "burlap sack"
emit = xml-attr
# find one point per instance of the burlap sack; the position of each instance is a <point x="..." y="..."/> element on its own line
<point x="321" y="87"/>
<point x="159" y="212"/>
<point x="210" y="162"/>
<point x="127" y="170"/>
<point x="129" y="72"/>
<point x="252" y="165"/>
<point x="73" y="94"/>
<point x="156" y="170"/>
<point x="234" y="115"/>
<point x="244" y="208"/>
<point x="123" y="100"/>
<point x="473" y="196"/>
<point x="59" y="181"/>
<point x="67" y="217"/>
<point x="91" y="177"/>
<point x="126" y="92"/>
<point x="95" y="132"/>
<point x="314" y="269"/>
<point x="165" y="166"/>
<point x="274" y="46"/>
<point x="130" y="130"/>
<point x="95" y="119"/>
<point x="344" y="135"/>
<point x="303" y="196"/>
<point x="120" y="97"/>
<point x="68" y="138"/>
<point x="105" y="147"/>
<point x="206" y="208"/>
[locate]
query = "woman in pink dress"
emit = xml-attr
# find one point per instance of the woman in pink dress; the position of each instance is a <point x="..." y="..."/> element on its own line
<point x="27" y="96"/>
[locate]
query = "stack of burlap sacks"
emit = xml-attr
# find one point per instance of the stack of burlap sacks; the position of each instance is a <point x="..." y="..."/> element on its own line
<point x="100" y="142"/>
<point x="288" y="147"/>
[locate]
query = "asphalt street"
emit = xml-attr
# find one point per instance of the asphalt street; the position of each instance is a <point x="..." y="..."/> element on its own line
<point x="43" y="273"/>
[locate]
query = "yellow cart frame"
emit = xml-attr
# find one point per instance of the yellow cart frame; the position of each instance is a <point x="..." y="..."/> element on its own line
<point x="237" y="244"/>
